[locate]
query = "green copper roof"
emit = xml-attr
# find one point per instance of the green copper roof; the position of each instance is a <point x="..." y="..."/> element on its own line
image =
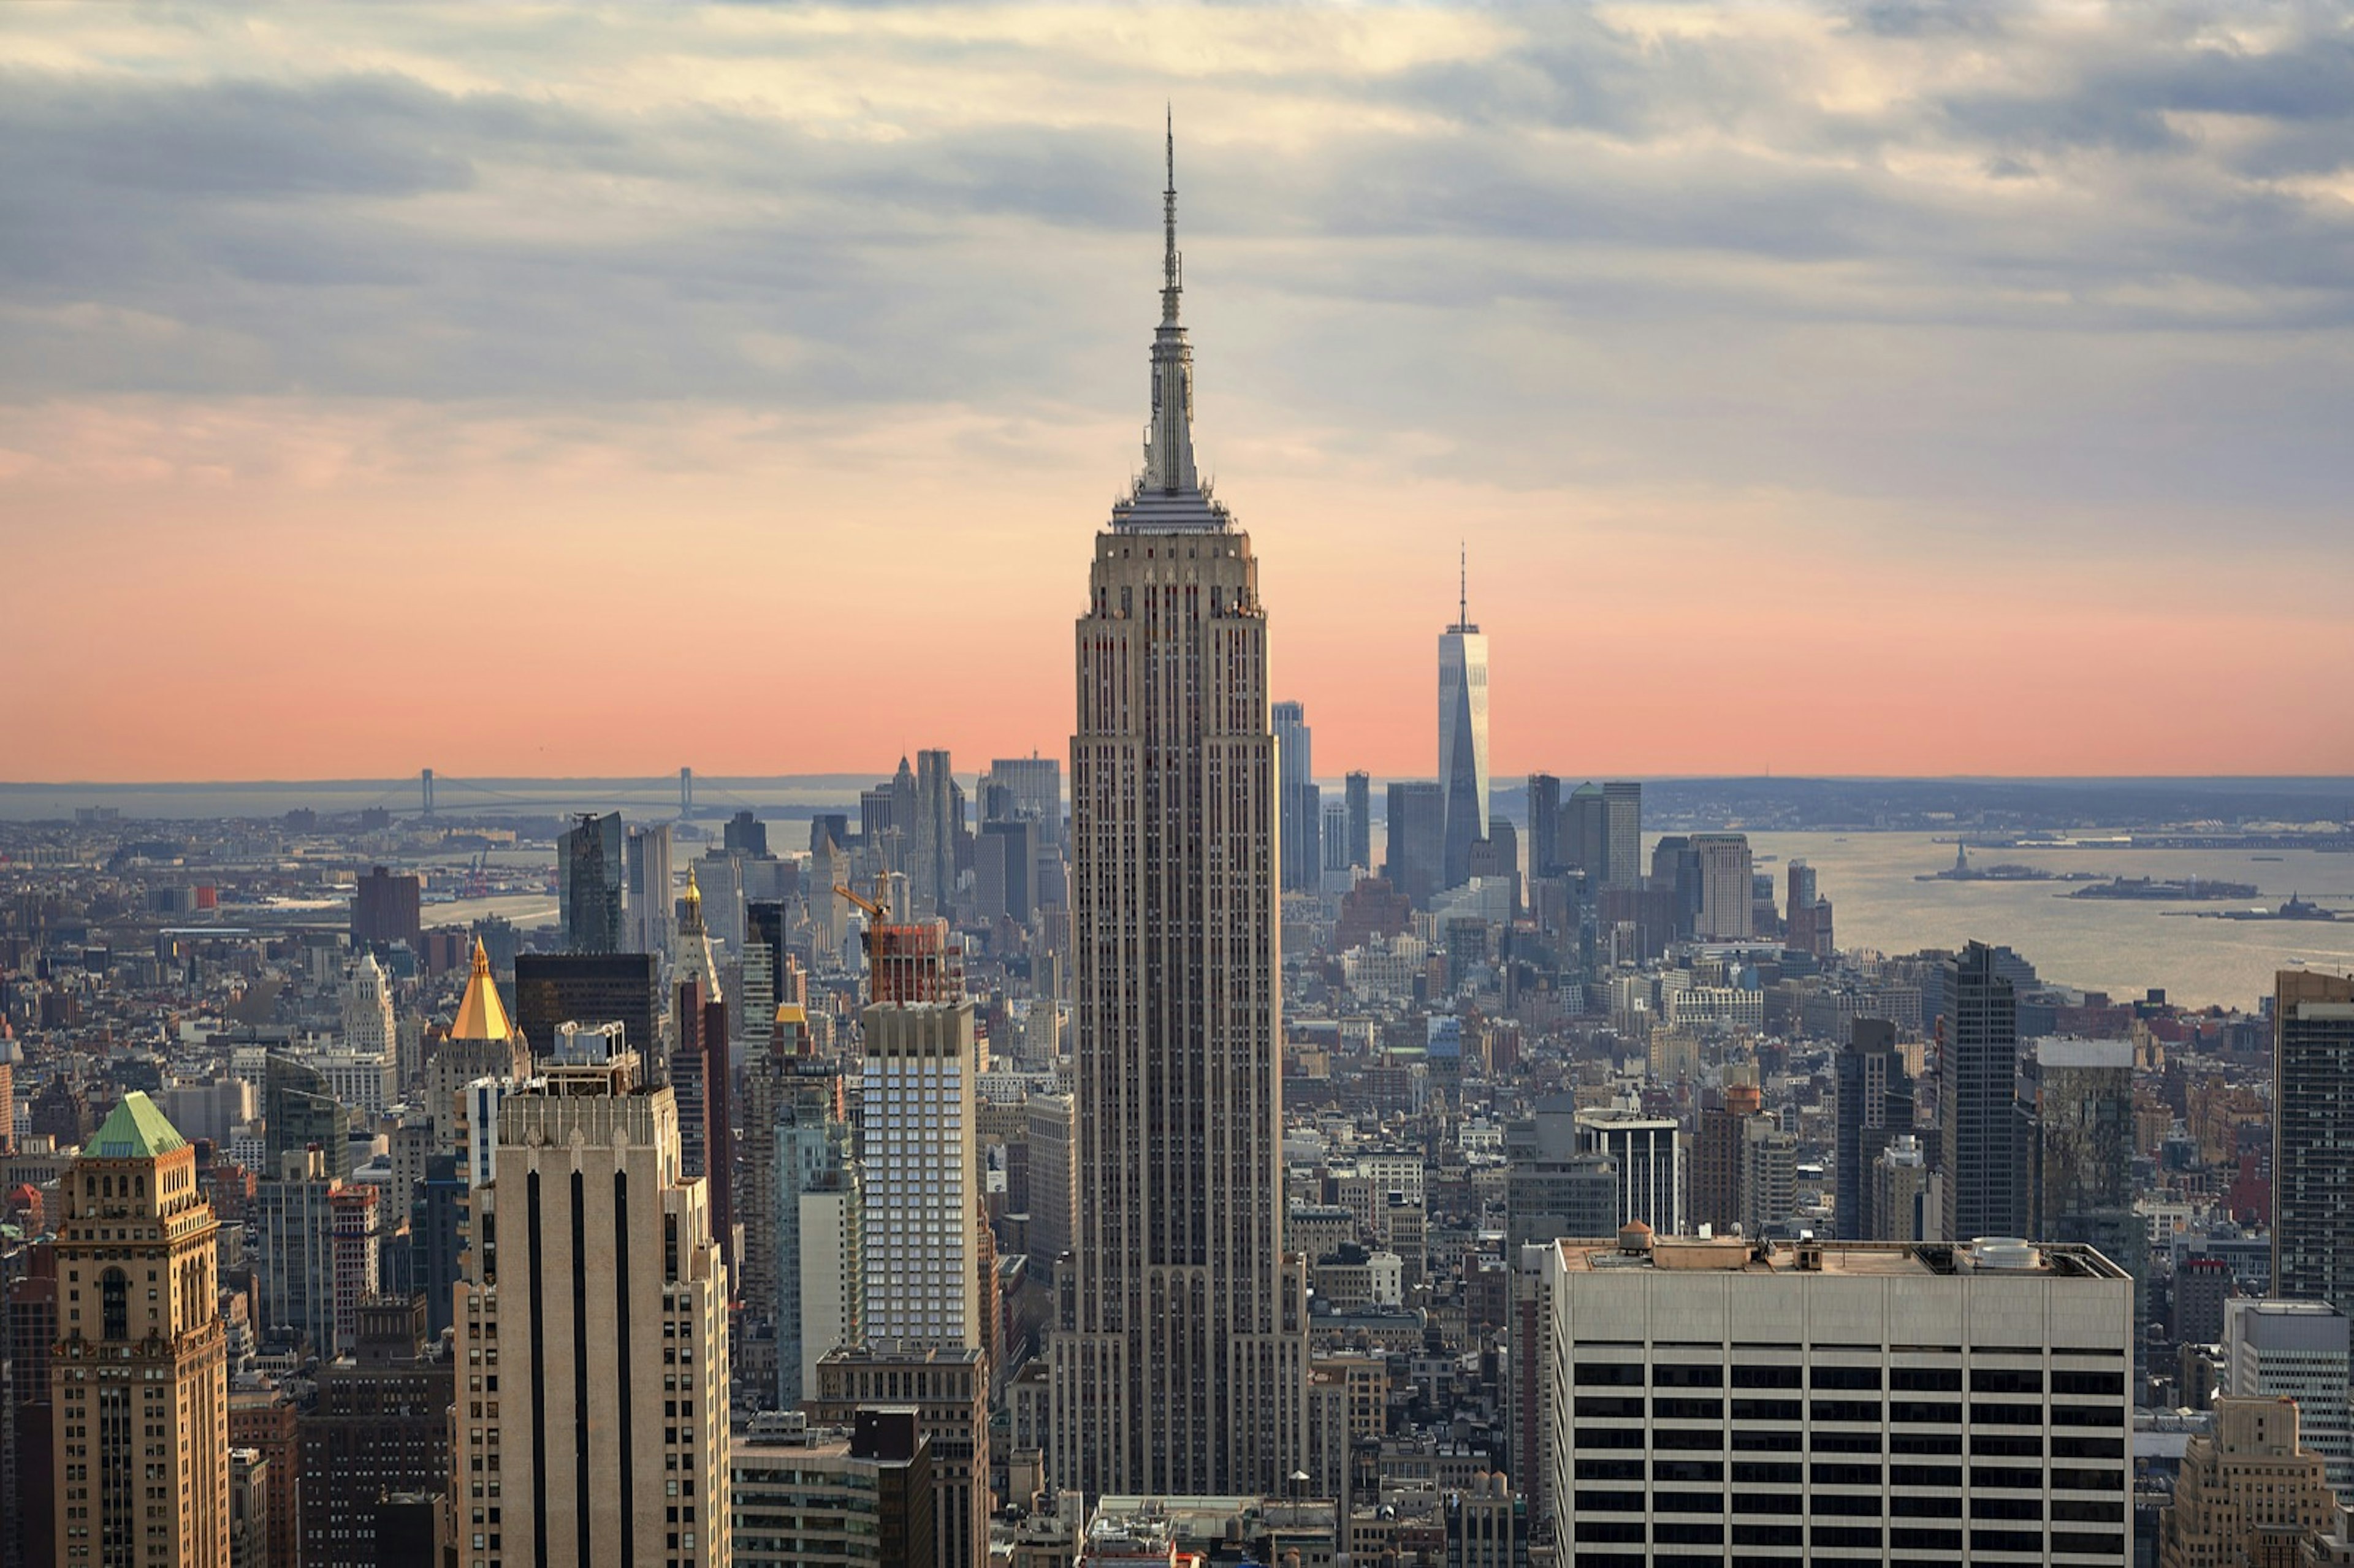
<point x="136" y="1130"/>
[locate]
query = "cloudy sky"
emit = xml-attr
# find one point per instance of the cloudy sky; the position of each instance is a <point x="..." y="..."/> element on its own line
<point x="1909" y="386"/>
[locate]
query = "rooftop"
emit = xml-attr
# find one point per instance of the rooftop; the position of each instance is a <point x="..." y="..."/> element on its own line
<point x="135" y="1130"/>
<point x="1879" y="1260"/>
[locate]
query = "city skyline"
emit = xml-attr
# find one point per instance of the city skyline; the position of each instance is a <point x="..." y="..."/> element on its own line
<point x="421" y="303"/>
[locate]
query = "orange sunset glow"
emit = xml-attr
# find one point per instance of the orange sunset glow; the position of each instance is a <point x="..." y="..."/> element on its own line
<point x="523" y="394"/>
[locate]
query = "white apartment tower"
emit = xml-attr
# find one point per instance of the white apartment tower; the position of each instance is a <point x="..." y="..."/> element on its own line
<point x="1840" y="1402"/>
<point x="921" y="1200"/>
<point x="592" y="1405"/>
<point x="1181" y="1355"/>
<point x="1463" y="736"/>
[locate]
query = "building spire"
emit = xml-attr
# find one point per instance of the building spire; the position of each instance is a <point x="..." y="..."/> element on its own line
<point x="1169" y="439"/>
<point x="1463" y="583"/>
<point x="1170" y="285"/>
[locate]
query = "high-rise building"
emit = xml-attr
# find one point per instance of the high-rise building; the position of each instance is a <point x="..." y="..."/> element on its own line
<point x="1721" y="1156"/>
<point x="600" y="1297"/>
<point x="292" y="1240"/>
<point x="2077" y="1098"/>
<point x="1554" y="1185"/>
<point x="1544" y="825"/>
<point x="932" y="841"/>
<point x="921" y="1060"/>
<point x="698" y="1070"/>
<point x="380" y="1424"/>
<point x="300" y="1111"/>
<point x="1898" y="1204"/>
<point x="1875" y="1106"/>
<point x="138" y="1376"/>
<point x="1647" y="1151"/>
<point x="556" y="988"/>
<point x="1414" y="847"/>
<point x="860" y="1498"/>
<point x="12" y="1056"/>
<point x="1622" y="835"/>
<point x="1980" y="1129"/>
<point x="1723" y="862"/>
<point x="744" y="833"/>
<point x="1357" y="794"/>
<point x="947" y="1387"/>
<point x="1462" y="738"/>
<point x="1181" y="1357"/>
<point x="1300" y="804"/>
<point x="1332" y="840"/>
<point x="819" y="1224"/>
<point x="2249" y="1491"/>
<point x="1053" y="1187"/>
<point x="1806" y="914"/>
<point x="925" y="1230"/>
<point x="1034" y="789"/>
<point x="368" y="1029"/>
<point x="2313" y="1138"/>
<point x="385" y="909"/>
<point x="649" y="867"/>
<point x="1848" y="1402"/>
<point x="1584" y="837"/>
<point x="483" y="1047"/>
<point x="2299" y="1350"/>
<point x="1005" y="869"/>
<point x="591" y="876"/>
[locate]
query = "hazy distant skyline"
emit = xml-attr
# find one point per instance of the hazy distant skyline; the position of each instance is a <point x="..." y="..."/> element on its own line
<point x="1902" y="388"/>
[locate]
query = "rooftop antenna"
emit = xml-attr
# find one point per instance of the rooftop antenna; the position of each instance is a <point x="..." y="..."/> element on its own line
<point x="1169" y="266"/>
<point x="1463" y="585"/>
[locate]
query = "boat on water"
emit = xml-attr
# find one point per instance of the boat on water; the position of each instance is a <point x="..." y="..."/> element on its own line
<point x="2296" y="908"/>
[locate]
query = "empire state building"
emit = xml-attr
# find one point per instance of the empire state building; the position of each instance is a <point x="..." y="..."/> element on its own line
<point x="1180" y="1358"/>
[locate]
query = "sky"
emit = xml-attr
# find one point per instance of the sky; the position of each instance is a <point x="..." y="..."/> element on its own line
<point x="1891" y="387"/>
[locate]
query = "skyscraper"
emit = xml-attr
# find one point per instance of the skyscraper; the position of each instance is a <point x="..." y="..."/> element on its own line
<point x="385" y="908"/>
<point x="601" y="1299"/>
<point x="1980" y="1129"/>
<point x="648" y="867"/>
<point x="932" y="845"/>
<point x="1544" y="825"/>
<point x="368" y="1029"/>
<point x="1622" y="835"/>
<point x="1724" y="912"/>
<point x="1301" y="806"/>
<point x="1875" y="1107"/>
<point x="1463" y="736"/>
<point x="1585" y="838"/>
<point x="1180" y="1362"/>
<point x="921" y="1059"/>
<point x="590" y="876"/>
<point x="1817" y="1361"/>
<point x="1415" y="830"/>
<point x="138" y="1377"/>
<point x="2313" y="1138"/>
<point x="1358" y="792"/>
<point x="553" y="989"/>
<point x="2296" y="1350"/>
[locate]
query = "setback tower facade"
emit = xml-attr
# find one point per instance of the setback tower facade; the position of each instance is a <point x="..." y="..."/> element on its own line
<point x="1179" y="1364"/>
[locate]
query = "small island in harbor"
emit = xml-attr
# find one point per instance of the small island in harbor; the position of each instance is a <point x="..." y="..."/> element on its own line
<point x="2189" y="889"/>
<point x="1963" y="871"/>
<point x="2296" y="908"/>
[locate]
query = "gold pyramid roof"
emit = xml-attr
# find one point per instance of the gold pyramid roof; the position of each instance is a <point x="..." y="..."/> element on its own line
<point x="481" y="1014"/>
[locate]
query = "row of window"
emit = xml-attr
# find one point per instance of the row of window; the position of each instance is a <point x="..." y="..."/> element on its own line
<point x="1927" y="1380"/>
<point x="1901" y="1536"/>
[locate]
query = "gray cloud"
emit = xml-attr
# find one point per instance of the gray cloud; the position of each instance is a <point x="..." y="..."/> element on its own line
<point x="2059" y="276"/>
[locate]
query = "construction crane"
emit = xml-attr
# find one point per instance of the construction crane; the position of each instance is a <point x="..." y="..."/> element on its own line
<point x="876" y="913"/>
